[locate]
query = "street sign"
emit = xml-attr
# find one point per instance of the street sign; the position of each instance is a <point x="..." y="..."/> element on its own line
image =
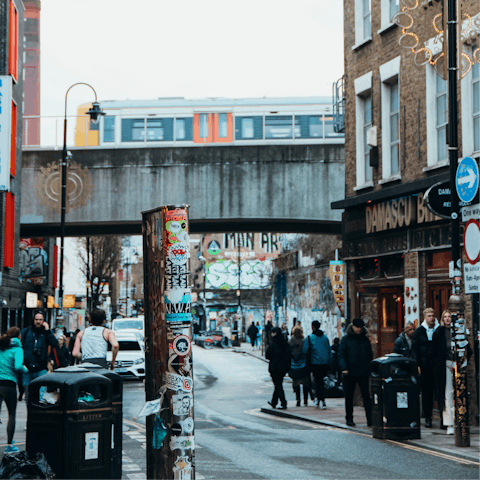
<point x="471" y="241"/>
<point x="471" y="274"/>
<point x="438" y="199"/>
<point x="466" y="180"/>
<point x="471" y="211"/>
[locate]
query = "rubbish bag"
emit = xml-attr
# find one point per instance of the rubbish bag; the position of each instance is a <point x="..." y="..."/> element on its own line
<point x="20" y="465"/>
<point x="332" y="390"/>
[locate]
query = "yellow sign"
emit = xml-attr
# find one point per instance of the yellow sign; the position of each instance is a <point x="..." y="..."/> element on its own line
<point x="337" y="275"/>
<point x="69" y="301"/>
<point x="50" y="301"/>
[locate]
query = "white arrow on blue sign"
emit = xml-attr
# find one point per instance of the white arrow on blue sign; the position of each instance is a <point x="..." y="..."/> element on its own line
<point x="466" y="180"/>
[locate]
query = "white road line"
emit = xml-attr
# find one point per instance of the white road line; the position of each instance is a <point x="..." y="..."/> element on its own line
<point x="130" y="468"/>
<point x="137" y="476"/>
<point x="257" y="413"/>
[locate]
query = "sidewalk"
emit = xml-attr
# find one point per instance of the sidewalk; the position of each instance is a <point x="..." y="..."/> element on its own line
<point x="334" y="416"/>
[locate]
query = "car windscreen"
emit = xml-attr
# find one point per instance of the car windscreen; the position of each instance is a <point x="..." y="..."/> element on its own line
<point x="121" y="324"/>
<point x="127" y="345"/>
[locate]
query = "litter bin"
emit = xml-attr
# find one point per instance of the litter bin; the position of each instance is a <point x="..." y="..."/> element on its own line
<point x="235" y="338"/>
<point x="72" y="425"/>
<point x="116" y="443"/>
<point x="395" y="399"/>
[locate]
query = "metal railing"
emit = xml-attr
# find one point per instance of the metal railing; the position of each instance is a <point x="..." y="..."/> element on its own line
<point x="338" y="101"/>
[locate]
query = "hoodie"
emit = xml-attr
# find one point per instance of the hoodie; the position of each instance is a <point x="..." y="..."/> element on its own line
<point x="319" y="346"/>
<point x="11" y="361"/>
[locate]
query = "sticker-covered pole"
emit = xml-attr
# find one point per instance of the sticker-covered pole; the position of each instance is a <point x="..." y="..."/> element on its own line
<point x="168" y="343"/>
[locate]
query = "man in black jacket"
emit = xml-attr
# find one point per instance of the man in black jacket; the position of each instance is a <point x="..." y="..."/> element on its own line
<point x="404" y="344"/>
<point x="355" y="355"/>
<point x="423" y="343"/>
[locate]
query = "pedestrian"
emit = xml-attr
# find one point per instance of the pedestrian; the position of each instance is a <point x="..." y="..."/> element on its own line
<point x="404" y="344"/>
<point x="280" y="355"/>
<point x="73" y="360"/>
<point x="268" y="327"/>
<point x="284" y="330"/>
<point x="355" y="355"/>
<point x="11" y="363"/>
<point x="36" y="340"/>
<point x="60" y="357"/>
<point x="337" y="371"/>
<point x="252" y="333"/>
<point x="296" y="323"/>
<point x="258" y="340"/>
<point x="423" y="338"/>
<point x="299" y="371"/>
<point x="319" y="354"/>
<point x="91" y="344"/>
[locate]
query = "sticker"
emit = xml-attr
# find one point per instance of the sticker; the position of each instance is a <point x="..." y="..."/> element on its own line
<point x="179" y="365"/>
<point x="213" y="248"/>
<point x="182" y="469"/>
<point x="177" y="429"/>
<point x="187" y="425"/>
<point x="375" y="398"/>
<point x="402" y="400"/>
<point x="178" y="253"/>
<point x="177" y="382"/>
<point x="182" y="443"/>
<point x="151" y="407"/>
<point x="91" y="445"/>
<point x="182" y="403"/>
<point x="181" y="345"/>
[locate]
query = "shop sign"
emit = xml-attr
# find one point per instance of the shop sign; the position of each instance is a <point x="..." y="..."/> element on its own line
<point x="437" y="199"/>
<point x="69" y="301"/>
<point x="337" y="276"/>
<point x="369" y="247"/>
<point x="50" y="301"/>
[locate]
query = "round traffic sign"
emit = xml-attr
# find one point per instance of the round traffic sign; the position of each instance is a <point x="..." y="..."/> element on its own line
<point x="466" y="180"/>
<point x="471" y="241"/>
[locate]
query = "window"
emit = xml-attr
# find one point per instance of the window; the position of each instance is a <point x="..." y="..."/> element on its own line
<point x="388" y="9"/>
<point x="394" y="129"/>
<point x="367" y="124"/>
<point x="180" y="129"/>
<point x="316" y="127"/>
<point x="278" y="126"/>
<point x="203" y="125"/>
<point x="109" y="129"/>
<point x="367" y="26"/>
<point x="222" y="125"/>
<point x="393" y="8"/>
<point x="155" y="131"/>
<point x="247" y="128"/>
<point x="13" y="141"/>
<point x="476" y="105"/>
<point x="441" y="111"/>
<point x="13" y="42"/>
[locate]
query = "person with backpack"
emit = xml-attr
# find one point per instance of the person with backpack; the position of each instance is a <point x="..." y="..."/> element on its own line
<point x="36" y="340"/>
<point x="280" y="355"/>
<point x="11" y="363"/>
<point x="299" y="372"/>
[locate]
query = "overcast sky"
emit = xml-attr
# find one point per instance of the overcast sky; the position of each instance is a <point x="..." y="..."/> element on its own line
<point x="145" y="49"/>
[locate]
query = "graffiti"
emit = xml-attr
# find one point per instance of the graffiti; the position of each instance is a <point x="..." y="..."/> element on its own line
<point x="33" y="261"/>
<point x="223" y="274"/>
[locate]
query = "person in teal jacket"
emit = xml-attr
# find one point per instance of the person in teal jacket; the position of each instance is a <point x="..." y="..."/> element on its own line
<point x="11" y="363"/>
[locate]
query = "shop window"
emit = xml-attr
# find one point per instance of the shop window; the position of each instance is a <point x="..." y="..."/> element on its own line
<point x="367" y="269"/>
<point x="109" y="129"/>
<point x="393" y="266"/>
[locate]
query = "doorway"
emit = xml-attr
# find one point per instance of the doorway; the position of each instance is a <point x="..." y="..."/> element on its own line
<point x="438" y="296"/>
<point x="390" y="318"/>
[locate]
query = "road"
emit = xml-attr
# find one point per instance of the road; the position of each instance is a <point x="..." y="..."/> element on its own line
<point x="234" y="440"/>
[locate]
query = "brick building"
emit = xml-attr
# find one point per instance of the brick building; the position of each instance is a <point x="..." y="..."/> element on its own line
<point x="398" y="252"/>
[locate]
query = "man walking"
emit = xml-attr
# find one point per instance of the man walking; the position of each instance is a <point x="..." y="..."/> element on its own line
<point x="319" y="354"/>
<point x="355" y="355"/>
<point x="91" y="344"/>
<point x="252" y="333"/>
<point x="36" y="340"/>
<point x="423" y="337"/>
<point x="404" y="344"/>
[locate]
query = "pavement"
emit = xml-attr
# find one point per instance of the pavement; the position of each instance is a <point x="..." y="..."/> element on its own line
<point x="432" y="439"/>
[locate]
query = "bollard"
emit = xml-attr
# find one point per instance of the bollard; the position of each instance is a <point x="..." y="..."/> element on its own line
<point x="168" y="342"/>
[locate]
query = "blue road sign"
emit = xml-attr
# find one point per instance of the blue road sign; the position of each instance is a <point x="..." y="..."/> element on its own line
<point x="466" y="180"/>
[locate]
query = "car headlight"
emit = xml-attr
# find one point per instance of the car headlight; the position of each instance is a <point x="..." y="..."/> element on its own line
<point x="138" y="360"/>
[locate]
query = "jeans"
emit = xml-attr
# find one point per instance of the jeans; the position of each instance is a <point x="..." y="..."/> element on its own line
<point x="28" y="377"/>
<point x="349" y="384"/>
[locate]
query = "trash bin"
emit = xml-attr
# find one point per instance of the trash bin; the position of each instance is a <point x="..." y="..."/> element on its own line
<point x="116" y="442"/>
<point x="73" y="428"/>
<point x="235" y="338"/>
<point x="395" y="398"/>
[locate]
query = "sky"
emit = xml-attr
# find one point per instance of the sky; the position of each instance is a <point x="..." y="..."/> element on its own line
<point x="145" y="49"/>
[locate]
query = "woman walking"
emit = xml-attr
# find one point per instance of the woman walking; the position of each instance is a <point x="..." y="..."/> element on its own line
<point x="60" y="357"/>
<point x="11" y="362"/>
<point x="280" y="355"/>
<point x="299" y="372"/>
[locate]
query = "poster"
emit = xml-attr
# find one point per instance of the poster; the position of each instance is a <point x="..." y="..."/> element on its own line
<point x="337" y="276"/>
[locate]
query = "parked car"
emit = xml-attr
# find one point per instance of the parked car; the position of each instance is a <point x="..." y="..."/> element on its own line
<point x="130" y="361"/>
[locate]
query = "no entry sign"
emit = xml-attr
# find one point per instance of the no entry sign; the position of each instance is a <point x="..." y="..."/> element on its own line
<point x="471" y="241"/>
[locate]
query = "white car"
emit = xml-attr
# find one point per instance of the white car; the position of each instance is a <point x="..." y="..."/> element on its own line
<point x="130" y="361"/>
<point x="137" y="323"/>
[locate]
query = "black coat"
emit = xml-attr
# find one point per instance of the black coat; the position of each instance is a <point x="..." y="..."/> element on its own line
<point x="279" y="353"/>
<point x="61" y="357"/>
<point x="252" y="331"/>
<point x="401" y="347"/>
<point x="355" y="353"/>
<point x="35" y="347"/>
<point x="422" y="347"/>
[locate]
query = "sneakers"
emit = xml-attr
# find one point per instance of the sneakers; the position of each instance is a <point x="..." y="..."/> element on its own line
<point x="324" y="405"/>
<point x="11" y="448"/>
<point x="450" y="431"/>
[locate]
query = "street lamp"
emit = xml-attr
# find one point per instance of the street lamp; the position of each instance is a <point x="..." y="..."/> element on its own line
<point x="95" y="112"/>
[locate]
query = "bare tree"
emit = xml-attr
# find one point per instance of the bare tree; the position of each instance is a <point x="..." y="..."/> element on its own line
<point x="100" y="258"/>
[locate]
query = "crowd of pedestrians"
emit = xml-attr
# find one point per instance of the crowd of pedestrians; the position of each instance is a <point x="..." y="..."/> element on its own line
<point x="308" y="361"/>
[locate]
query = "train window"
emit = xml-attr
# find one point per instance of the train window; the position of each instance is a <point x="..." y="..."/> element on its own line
<point x="155" y="131"/>
<point x="315" y="127"/>
<point x="329" y="131"/>
<point x="109" y="129"/>
<point x="278" y="126"/>
<point x="247" y="128"/>
<point x="180" y="129"/>
<point x="133" y="129"/>
<point x="203" y="125"/>
<point x="222" y="125"/>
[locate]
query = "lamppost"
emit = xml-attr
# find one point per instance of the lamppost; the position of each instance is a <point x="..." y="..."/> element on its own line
<point x="94" y="113"/>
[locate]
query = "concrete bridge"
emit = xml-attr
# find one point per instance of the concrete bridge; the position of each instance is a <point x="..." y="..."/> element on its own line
<point x="281" y="188"/>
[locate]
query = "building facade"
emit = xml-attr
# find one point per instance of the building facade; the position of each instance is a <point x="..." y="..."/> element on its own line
<point x="396" y="113"/>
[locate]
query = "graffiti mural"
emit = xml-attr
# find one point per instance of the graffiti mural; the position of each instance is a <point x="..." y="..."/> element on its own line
<point x="33" y="261"/>
<point x="223" y="274"/>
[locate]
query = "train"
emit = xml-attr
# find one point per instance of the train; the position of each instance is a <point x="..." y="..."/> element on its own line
<point x="177" y="121"/>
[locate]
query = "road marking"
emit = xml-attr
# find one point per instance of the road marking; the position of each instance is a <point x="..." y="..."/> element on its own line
<point x="130" y="468"/>
<point x="257" y="413"/>
<point x="445" y="456"/>
<point x="131" y="423"/>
